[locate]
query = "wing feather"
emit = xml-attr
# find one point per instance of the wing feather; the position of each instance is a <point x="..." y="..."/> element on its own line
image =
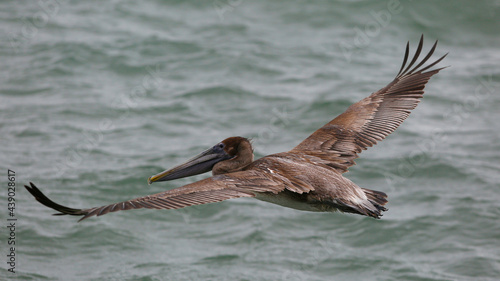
<point x="210" y="190"/>
<point x="370" y="120"/>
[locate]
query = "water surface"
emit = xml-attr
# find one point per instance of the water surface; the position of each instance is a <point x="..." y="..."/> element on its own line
<point x="98" y="96"/>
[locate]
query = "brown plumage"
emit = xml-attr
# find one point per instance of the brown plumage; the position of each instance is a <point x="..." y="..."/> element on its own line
<point x="308" y="177"/>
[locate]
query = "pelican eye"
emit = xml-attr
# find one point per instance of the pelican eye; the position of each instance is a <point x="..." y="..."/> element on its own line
<point x="220" y="146"/>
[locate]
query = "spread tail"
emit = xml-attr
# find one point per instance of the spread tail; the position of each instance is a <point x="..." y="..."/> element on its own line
<point x="378" y="200"/>
<point x="373" y="206"/>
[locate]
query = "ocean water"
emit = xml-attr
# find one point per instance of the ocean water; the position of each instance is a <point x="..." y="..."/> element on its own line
<point x="96" y="96"/>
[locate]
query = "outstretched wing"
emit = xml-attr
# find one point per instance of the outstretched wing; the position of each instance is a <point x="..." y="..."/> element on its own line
<point x="338" y="143"/>
<point x="210" y="190"/>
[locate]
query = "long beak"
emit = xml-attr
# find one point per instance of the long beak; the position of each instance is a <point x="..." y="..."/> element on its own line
<point x="199" y="164"/>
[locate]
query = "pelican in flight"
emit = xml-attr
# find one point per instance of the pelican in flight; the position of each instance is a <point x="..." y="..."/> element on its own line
<point x="309" y="177"/>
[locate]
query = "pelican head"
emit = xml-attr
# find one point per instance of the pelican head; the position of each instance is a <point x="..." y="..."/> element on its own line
<point x="229" y="155"/>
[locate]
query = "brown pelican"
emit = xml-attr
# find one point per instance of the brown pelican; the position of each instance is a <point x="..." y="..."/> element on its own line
<point x="308" y="177"/>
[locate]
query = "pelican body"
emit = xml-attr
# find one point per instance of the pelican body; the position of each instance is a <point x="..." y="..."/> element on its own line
<point x="309" y="177"/>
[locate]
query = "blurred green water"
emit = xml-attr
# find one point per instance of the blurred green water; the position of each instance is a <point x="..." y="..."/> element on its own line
<point x="96" y="97"/>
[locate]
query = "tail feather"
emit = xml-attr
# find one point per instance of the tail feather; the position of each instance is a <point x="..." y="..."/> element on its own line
<point x="378" y="199"/>
<point x="372" y="207"/>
